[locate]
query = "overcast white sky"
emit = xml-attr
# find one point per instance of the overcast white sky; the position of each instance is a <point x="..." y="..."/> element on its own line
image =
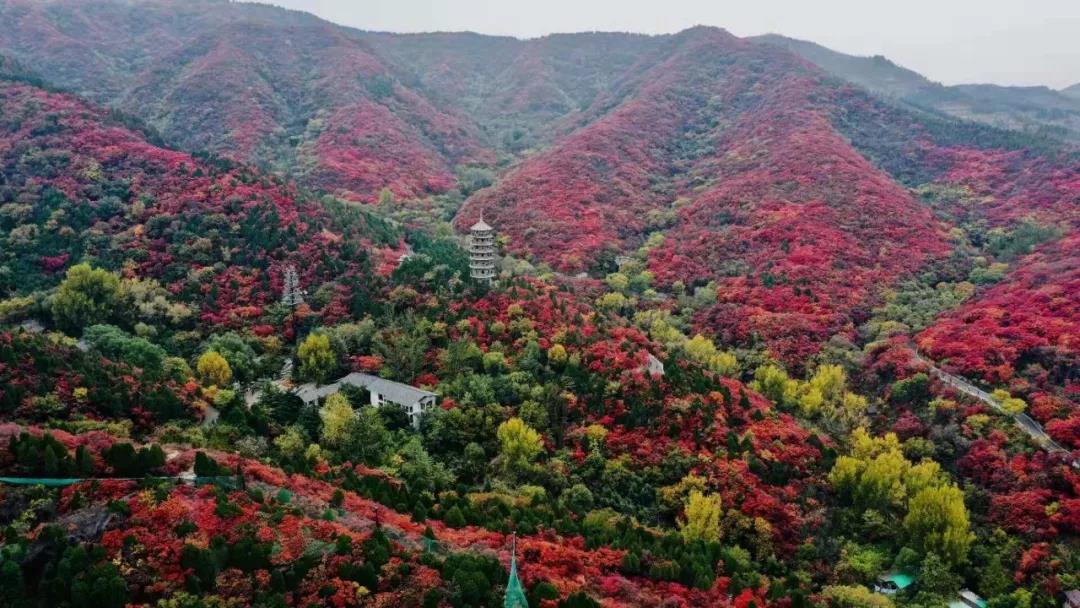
<point x="1016" y="42"/>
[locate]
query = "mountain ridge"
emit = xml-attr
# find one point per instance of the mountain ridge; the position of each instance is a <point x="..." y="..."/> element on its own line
<point x="709" y="373"/>
<point x="590" y="144"/>
<point x="1037" y="109"/>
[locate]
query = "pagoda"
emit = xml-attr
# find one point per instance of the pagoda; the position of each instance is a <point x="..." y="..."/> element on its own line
<point x="482" y="251"/>
<point x="515" y="593"/>
<point x="291" y="294"/>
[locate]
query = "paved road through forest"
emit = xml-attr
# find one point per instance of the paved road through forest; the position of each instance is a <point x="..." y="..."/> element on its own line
<point x="1025" y="422"/>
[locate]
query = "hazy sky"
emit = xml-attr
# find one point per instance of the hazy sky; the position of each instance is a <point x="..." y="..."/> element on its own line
<point x="1019" y="42"/>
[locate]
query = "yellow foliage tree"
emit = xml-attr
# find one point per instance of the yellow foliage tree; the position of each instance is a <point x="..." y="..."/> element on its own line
<point x="849" y="412"/>
<point x="725" y="364"/>
<point x="876" y="473"/>
<point x="855" y="596"/>
<point x="702" y="521"/>
<point x="824" y="395"/>
<point x="214" y="369"/>
<point x="831" y="381"/>
<point x="317" y="359"/>
<point x="557" y="354"/>
<point x="811" y="401"/>
<point x="612" y="300"/>
<point x="703" y="351"/>
<point x="85" y="297"/>
<point x="774" y="383"/>
<point x="882" y="480"/>
<point x="660" y="329"/>
<point x="700" y="348"/>
<point x="926" y="474"/>
<point x="1009" y="404"/>
<point x="618" y="281"/>
<point x="673" y="497"/>
<point x="336" y="414"/>
<point x="596" y="434"/>
<point x="519" y="444"/>
<point x="937" y="522"/>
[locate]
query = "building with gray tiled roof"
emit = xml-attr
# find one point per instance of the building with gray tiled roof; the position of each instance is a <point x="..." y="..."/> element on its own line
<point x="413" y="400"/>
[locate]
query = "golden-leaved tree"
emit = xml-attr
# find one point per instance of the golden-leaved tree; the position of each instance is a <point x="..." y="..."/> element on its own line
<point x="214" y="369"/>
<point x="336" y="415"/>
<point x="702" y="520"/>
<point x="876" y="475"/>
<point x="317" y="359"/>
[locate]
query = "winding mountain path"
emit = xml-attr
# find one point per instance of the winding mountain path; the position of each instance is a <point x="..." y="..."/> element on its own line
<point x="1026" y="423"/>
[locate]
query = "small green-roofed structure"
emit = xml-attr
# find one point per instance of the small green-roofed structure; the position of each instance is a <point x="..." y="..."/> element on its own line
<point x="890" y="583"/>
<point x="902" y="580"/>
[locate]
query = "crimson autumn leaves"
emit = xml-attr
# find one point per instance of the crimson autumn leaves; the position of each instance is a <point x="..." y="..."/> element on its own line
<point x="776" y="241"/>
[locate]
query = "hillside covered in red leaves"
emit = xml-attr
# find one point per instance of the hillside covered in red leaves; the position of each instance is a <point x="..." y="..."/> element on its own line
<point x="194" y="250"/>
<point x="726" y="143"/>
<point x="82" y="186"/>
<point x="1018" y="208"/>
<point x="764" y="175"/>
<point x="709" y="372"/>
<point x="302" y="94"/>
<point x="1031" y="317"/>
<point x="272" y="523"/>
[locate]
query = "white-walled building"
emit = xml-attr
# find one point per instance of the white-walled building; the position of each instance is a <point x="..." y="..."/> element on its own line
<point x="413" y="400"/>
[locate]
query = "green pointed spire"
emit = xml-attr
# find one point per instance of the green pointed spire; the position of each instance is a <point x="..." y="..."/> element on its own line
<point x="515" y="593"/>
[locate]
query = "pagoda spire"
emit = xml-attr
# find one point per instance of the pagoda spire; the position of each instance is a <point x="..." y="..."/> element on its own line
<point x="515" y="593"/>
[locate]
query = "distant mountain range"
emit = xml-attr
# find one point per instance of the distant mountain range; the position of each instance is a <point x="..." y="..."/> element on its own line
<point x="1038" y="110"/>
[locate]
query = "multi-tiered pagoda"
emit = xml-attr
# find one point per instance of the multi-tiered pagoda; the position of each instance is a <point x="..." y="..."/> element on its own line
<point x="482" y="251"/>
<point x="291" y="294"/>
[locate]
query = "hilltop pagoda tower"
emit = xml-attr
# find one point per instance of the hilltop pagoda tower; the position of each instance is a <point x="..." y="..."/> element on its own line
<point x="482" y="251"/>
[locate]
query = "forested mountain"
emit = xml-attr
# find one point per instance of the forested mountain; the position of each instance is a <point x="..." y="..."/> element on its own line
<point x="1038" y="110"/>
<point x="155" y="257"/>
<point x="732" y="276"/>
<point x="875" y="73"/>
<point x="605" y="139"/>
<point x="79" y="186"/>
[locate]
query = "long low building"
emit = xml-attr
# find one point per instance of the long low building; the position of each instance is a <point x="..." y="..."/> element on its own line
<point x="413" y="400"/>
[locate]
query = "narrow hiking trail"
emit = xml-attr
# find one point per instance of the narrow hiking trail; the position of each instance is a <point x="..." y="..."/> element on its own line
<point x="1026" y="423"/>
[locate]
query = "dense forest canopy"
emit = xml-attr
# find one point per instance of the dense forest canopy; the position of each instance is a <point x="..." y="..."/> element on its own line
<point x="759" y="336"/>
